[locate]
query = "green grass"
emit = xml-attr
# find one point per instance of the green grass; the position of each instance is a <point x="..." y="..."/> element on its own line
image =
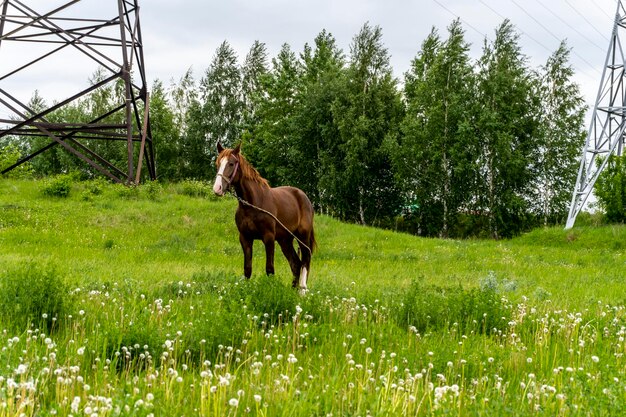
<point x="130" y="302"/>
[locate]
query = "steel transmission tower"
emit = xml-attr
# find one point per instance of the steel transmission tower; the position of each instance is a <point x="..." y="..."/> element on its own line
<point x="606" y="131"/>
<point x="63" y="39"/>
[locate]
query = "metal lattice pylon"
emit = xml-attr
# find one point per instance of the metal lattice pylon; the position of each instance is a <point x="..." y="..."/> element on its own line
<point x="606" y="131"/>
<point x="64" y="38"/>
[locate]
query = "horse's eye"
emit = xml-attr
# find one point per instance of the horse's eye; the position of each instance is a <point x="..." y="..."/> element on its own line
<point x="231" y="164"/>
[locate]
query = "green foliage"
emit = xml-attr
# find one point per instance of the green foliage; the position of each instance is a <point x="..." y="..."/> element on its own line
<point x="93" y="188"/>
<point x="222" y="105"/>
<point x="432" y="308"/>
<point x="505" y="124"/>
<point x="358" y="178"/>
<point x="227" y="304"/>
<point x="561" y="135"/>
<point x="58" y="186"/>
<point x="57" y="159"/>
<point x="610" y="188"/>
<point x="266" y="296"/>
<point x="127" y="192"/>
<point x="152" y="189"/>
<point x="195" y="153"/>
<point x="195" y="188"/>
<point x="314" y="128"/>
<point x="433" y="158"/>
<point x="253" y="70"/>
<point x="159" y="319"/>
<point x="482" y="149"/>
<point x="35" y="294"/>
<point x="164" y="128"/>
<point x="182" y="94"/>
<point x="270" y="148"/>
<point x="218" y="328"/>
<point x="9" y="155"/>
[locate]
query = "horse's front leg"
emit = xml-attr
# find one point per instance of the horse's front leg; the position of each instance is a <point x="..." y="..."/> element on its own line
<point x="246" y="245"/>
<point x="268" y="241"/>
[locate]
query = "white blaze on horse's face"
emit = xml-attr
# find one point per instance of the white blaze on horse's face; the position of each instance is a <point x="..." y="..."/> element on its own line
<point x="218" y="186"/>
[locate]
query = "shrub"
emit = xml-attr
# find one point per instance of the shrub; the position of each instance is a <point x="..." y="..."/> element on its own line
<point x="433" y="307"/>
<point x="95" y="186"/>
<point x="58" y="186"/>
<point x="127" y="192"/>
<point x="153" y="190"/>
<point x="226" y="320"/>
<point x="92" y="188"/>
<point x="218" y="327"/>
<point x="33" y="294"/>
<point x="194" y="188"/>
<point x="265" y="295"/>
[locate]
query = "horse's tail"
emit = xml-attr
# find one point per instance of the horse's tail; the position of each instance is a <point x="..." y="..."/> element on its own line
<point x="311" y="244"/>
<point x="312" y="241"/>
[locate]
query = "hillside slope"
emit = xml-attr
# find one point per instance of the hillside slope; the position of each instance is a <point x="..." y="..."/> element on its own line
<point x="130" y="301"/>
<point x="109" y="233"/>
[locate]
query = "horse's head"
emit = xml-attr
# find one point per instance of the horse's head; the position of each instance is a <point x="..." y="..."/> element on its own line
<point x="227" y="168"/>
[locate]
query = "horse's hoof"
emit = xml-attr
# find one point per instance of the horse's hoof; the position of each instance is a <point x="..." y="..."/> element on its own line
<point x="302" y="291"/>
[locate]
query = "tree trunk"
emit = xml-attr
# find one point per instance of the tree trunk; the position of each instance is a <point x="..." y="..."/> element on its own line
<point x="445" y="164"/>
<point x="446" y="194"/>
<point x="361" y="209"/>
<point x="493" y="225"/>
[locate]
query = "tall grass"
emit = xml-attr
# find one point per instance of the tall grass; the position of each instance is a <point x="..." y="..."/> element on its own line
<point x="152" y="317"/>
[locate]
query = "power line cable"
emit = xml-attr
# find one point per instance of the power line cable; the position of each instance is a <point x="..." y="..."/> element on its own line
<point x="527" y="35"/>
<point x="570" y="26"/>
<point x="462" y="20"/>
<point x="522" y="32"/>
<point x="536" y="21"/>
<point x="539" y="43"/>
<point x="585" y="19"/>
<point x="551" y="33"/>
<point x="601" y="9"/>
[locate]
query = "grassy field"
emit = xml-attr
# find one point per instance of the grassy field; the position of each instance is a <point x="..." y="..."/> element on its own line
<point x="130" y="302"/>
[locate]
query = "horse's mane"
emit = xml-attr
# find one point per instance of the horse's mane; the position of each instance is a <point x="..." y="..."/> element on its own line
<point x="247" y="170"/>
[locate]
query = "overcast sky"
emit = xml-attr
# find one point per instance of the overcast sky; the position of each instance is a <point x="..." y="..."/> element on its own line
<point x="182" y="34"/>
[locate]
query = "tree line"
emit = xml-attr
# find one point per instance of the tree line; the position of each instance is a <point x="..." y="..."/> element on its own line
<point x="457" y="147"/>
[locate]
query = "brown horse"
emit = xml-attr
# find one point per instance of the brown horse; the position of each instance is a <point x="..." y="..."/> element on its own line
<point x="291" y="215"/>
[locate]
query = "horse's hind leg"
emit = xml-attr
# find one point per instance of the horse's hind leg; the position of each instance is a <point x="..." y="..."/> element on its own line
<point x="305" y="267"/>
<point x="294" y="261"/>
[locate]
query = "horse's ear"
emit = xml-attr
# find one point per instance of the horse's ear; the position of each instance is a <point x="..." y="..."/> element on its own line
<point x="220" y="148"/>
<point x="237" y="149"/>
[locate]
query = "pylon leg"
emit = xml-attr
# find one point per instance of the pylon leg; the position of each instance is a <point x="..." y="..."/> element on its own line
<point x="606" y="130"/>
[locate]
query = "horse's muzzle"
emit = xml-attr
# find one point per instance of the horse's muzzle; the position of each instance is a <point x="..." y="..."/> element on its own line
<point x="218" y="187"/>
